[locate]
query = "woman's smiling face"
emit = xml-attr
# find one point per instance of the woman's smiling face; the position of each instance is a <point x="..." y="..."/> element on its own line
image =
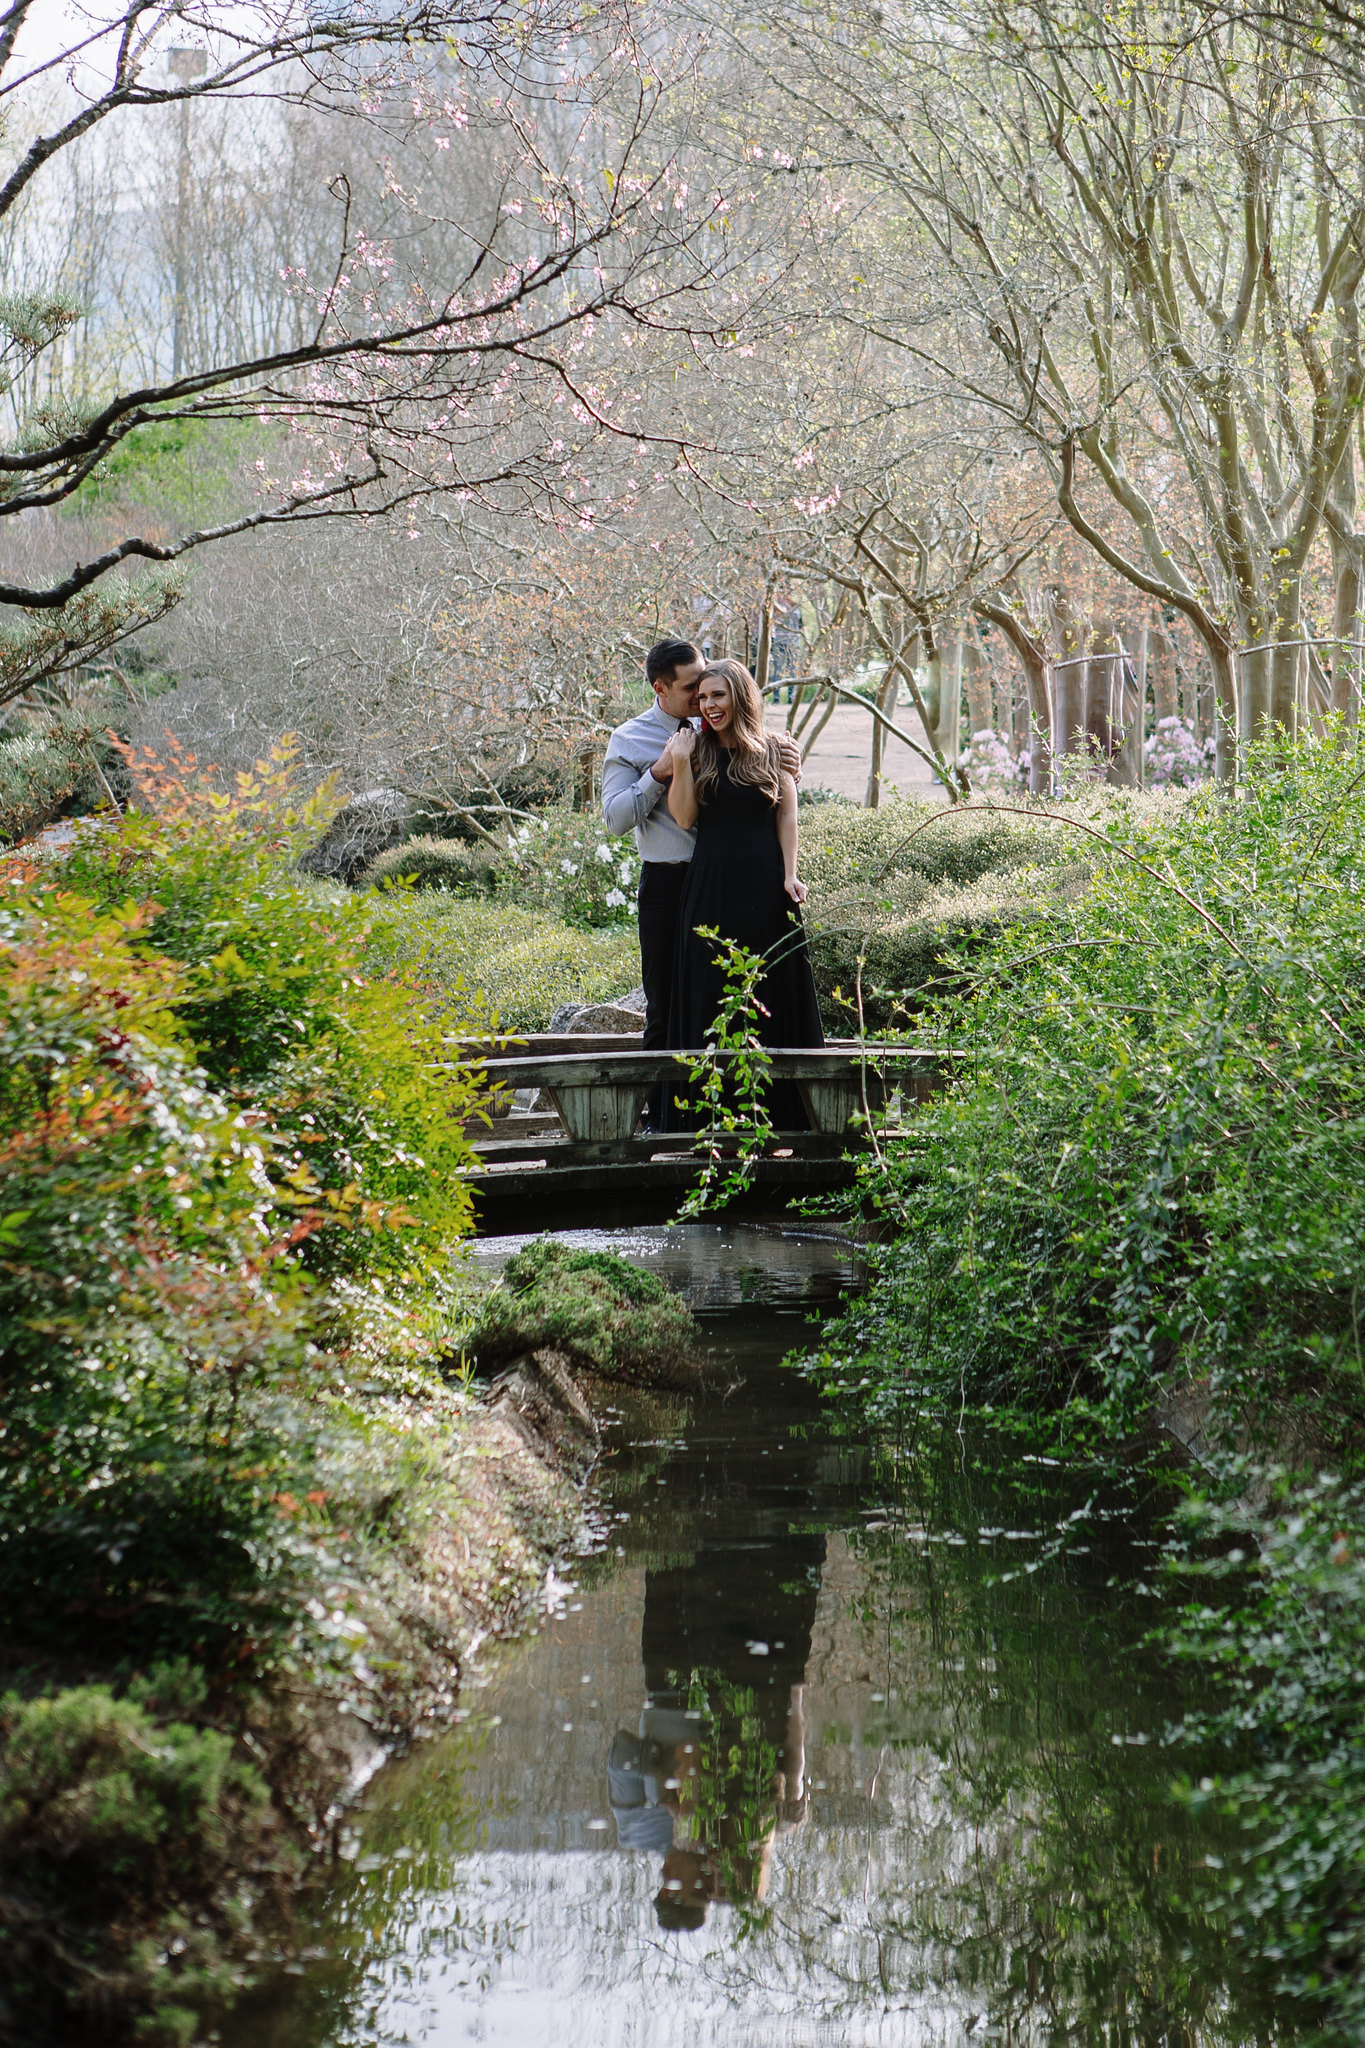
<point x="716" y="703"/>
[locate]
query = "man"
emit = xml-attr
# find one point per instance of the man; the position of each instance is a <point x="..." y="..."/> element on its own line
<point x="635" y="778"/>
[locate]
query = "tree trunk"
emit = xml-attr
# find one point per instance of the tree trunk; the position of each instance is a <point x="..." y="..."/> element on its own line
<point x="1222" y="662"/>
<point x="1165" y="676"/>
<point x="980" y="708"/>
<point x="1067" y="677"/>
<point x="943" y="697"/>
<point x="1348" y="633"/>
<point x="764" y="659"/>
<point x="1104" y="692"/>
<point x="1031" y="649"/>
<point x="886" y="704"/>
<point x="584" y="778"/>
<point x="1271" y="693"/>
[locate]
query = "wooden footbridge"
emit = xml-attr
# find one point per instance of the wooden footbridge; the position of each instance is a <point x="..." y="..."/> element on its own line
<point x="562" y="1112"/>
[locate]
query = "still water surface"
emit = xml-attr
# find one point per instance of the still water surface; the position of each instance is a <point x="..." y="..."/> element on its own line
<point x="821" y="1743"/>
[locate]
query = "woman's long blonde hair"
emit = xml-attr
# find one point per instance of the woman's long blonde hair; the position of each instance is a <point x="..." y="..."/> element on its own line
<point x="754" y="758"/>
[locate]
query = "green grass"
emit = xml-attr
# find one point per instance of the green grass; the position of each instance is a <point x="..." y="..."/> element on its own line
<point x="522" y="963"/>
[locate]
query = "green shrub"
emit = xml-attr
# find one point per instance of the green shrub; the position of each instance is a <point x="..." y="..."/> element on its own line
<point x="1155" y="1164"/>
<point x="126" y="1836"/>
<point x="461" y="867"/>
<point x="905" y="906"/>
<point x="607" y="1316"/>
<point x="346" y="1070"/>
<point x="565" y="862"/>
<point x="520" y="964"/>
<point x="41" y="768"/>
<point x="1150" y="1174"/>
<point x="202" y="1150"/>
<point x="560" y="861"/>
<point x="1287" y="1562"/>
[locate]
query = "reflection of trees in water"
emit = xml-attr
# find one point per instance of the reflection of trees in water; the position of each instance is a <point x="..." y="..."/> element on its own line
<point x="979" y="1855"/>
<point x="1050" y="1877"/>
<point x="725" y="1638"/>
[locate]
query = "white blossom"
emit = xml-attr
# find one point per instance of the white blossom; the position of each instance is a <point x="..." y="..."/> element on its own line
<point x="988" y="759"/>
<point x="1175" y="759"/>
<point x="615" y="900"/>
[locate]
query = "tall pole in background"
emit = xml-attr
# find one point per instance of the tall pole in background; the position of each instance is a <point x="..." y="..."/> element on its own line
<point x="183" y="64"/>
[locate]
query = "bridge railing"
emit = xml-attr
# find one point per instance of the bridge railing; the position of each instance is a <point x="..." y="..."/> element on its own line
<point x="599" y="1086"/>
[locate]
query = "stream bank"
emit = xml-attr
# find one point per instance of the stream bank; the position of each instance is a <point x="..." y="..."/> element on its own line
<point x="151" y="1809"/>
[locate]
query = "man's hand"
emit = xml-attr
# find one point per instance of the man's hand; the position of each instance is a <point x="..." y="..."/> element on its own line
<point x="791" y="755"/>
<point x="662" y="771"/>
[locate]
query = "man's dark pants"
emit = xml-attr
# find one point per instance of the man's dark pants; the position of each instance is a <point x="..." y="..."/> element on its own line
<point x="661" y="887"/>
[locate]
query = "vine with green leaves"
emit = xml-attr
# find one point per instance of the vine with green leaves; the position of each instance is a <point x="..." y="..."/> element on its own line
<point x="729" y="1079"/>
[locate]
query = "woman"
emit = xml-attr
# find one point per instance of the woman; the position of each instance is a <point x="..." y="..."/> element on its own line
<point x="742" y="880"/>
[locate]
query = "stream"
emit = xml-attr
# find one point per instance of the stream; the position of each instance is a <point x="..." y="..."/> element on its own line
<point x="819" y="1742"/>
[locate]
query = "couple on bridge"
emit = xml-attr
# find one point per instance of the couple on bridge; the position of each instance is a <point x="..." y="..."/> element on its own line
<point x="711" y="798"/>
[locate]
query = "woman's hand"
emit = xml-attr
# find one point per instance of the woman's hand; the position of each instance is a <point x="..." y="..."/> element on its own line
<point x="682" y="791"/>
<point x="796" y="889"/>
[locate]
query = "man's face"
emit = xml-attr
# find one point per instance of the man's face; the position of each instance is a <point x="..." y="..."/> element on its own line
<point x="688" y="1879"/>
<point x="678" y="696"/>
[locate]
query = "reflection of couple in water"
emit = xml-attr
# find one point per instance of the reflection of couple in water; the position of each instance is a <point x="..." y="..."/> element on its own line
<point x="718" y="1769"/>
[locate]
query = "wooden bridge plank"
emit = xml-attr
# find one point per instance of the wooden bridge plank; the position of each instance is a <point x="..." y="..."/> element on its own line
<point x="513" y="1184"/>
<point x="527" y="1070"/>
<point x="641" y="1151"/>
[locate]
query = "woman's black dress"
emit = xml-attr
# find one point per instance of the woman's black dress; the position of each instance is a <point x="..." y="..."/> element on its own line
<point x="734" y="886"/>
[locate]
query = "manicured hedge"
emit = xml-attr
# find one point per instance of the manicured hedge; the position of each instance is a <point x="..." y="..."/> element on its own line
<point x="521" y="964"/>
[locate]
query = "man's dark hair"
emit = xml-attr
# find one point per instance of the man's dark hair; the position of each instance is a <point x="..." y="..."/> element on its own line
<point x="676" y="1918"/>
<point x="665" y="659"/>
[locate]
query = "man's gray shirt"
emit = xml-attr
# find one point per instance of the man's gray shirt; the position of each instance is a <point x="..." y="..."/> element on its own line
<point x="631" y="797"/>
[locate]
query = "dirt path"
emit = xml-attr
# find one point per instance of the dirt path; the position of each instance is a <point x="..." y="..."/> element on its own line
<point x="839" y="759"/>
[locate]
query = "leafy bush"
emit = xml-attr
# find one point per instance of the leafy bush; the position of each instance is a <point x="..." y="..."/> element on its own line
<point x="1154" y="1167"/>
<point x="1149" y="1174"/>
<point x="210" y="1122"/>
<point x="1284" y="1641"/>
<point x="521" y="965"/>
<point x="904" y="900"/>
<point x="344" y="1070"/>
<point x="607" y="1316"/>
<point x="1175" y="758"/>
<point x="991" y="763"/>
<point x="463" y="867"/>
<point x="562" y="862"/>
<point x="127" y="1836"/>
<point x="566" y="862"/>
<point x="41" y="768"/>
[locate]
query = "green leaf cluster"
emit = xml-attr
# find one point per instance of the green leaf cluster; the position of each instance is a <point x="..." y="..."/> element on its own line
<point x="115" y="1813"/>
<point x="231" y="1171"/>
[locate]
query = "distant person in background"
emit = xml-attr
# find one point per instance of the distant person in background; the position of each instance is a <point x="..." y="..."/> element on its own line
<point x="636" y="773"/>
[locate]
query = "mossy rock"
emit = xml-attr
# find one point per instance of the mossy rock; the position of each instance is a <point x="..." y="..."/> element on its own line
<point x="605" y="1316"/>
